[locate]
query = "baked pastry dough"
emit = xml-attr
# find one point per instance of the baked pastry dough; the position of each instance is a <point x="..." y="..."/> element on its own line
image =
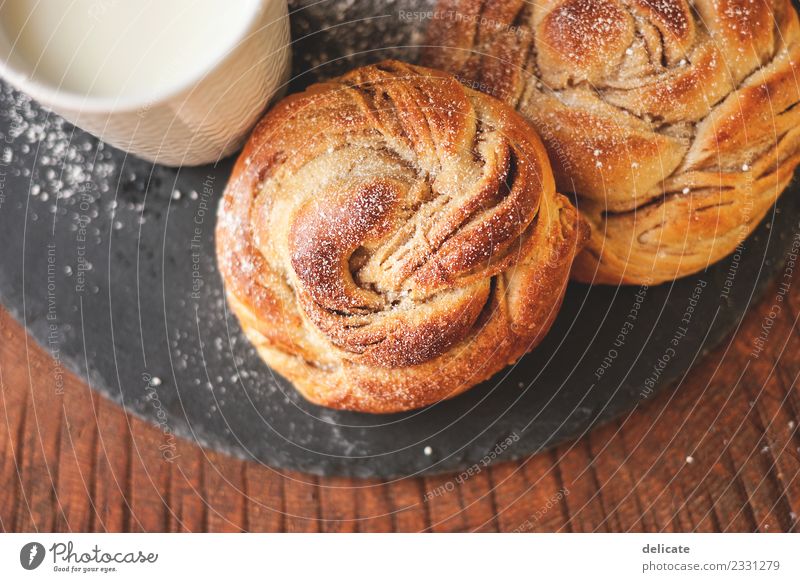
<point x="389" y="239"/>
<point x="675" y="122"/>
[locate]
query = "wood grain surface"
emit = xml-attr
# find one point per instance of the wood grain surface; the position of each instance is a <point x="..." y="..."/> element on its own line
<point x="719" y="452"/>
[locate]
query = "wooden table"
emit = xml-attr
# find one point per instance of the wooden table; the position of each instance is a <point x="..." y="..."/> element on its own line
<point x="720" y="452"/>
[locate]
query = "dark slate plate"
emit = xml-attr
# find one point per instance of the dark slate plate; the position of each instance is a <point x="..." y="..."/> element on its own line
<point x="109" y="263"/>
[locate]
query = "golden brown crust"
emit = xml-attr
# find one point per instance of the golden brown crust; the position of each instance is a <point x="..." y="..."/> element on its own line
<point x="675" y="122"/>
<point x="389" y="239"/>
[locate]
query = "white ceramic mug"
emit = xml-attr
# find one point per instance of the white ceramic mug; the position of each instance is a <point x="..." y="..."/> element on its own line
<point x="198" y="120"/>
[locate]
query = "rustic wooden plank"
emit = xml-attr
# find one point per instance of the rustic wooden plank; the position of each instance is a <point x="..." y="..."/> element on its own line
<point x="659" y="458"/>
<point x="226" y="493"/>
<point x="477" y="497"/>
<point x="529" y="495"/>
<point x="775" y="416"/>
<point x="76" y="468"/>
<point x="188" y="500"/>
<point x="12" y="411"/>
<point x="719" y="408"/>
<point x="265" y="508"/>
<point x="375" y="512"/>
<point x="38" y="445"/>
<point x="545" y="499"/>
<point x="755" y="449"/>
<point x="724" y="500"/>
<point x="301" y="494"/>
<point x="442" y="496"/>
<point x="149" y="488"/>
<point x="411" y="513"/>
<point x="111" y="468"/>
<point x="338" y="512"/>
<point x="583" y="488"/>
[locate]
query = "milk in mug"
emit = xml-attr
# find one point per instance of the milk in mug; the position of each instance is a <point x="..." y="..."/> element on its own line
<point x="110" y="48"/>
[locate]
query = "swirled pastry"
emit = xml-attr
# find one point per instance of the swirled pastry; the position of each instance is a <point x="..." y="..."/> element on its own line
<point x="389" y="239"/>
<point x="675" y="122"/>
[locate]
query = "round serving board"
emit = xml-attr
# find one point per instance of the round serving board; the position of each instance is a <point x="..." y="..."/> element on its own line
<point x="109" y="262"/>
